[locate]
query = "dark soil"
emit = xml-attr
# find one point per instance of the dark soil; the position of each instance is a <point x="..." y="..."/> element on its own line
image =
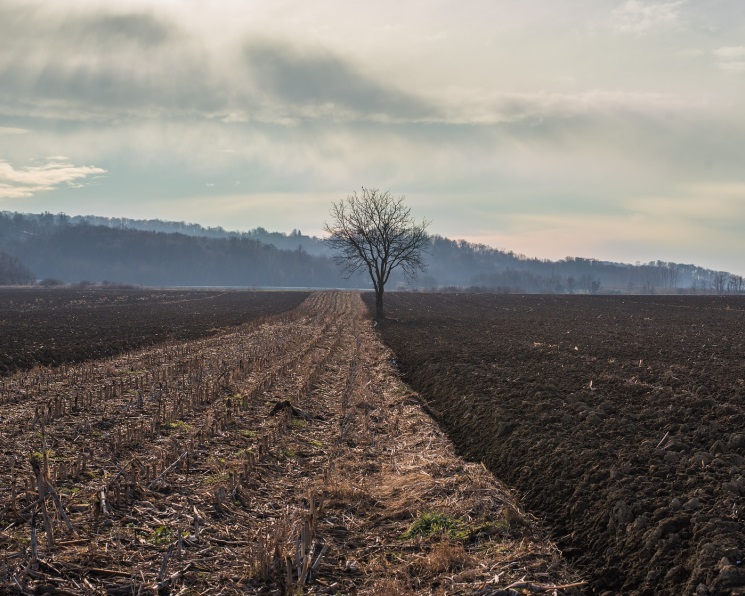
<point x="55" y="326"/>
<point x="619" y="419"/>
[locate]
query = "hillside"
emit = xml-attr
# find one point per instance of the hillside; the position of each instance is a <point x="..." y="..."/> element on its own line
<point x="55" y="247"/>
<point x="291" y="241"/>
<point x="155" y="252"/>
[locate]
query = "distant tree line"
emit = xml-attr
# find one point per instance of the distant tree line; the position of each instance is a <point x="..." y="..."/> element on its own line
<point x="73" y="249"/>
<point x="290" y="241"/>
<point x="55" y="248"/>
<point x="457" y="263"/>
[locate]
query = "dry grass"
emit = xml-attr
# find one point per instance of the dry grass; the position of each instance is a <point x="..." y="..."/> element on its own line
<point x="445" y="556"/>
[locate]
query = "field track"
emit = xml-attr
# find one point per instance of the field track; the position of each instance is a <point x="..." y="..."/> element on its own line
<point x="281" y="456"/>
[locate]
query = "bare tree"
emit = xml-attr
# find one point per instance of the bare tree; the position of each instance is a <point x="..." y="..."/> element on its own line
<point x="375" y="231"/>
<point x="720" y="281"/>
<point x="13" y="272"/>
<point x="734" y="284"/>
<point x="571" y="282"/>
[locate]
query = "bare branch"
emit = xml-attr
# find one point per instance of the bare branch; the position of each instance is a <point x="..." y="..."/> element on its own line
<point x="375" y="231"/>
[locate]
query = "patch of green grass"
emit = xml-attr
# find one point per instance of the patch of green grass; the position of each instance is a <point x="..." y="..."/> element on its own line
<point x="298" y="423"/>
<point x="248" y="433"/>
<point x="433" y="523"/>
<point x="180" y="425"/>
<point x="316" y="443"/>
<point x="161" y="535"/>
<point x="288" y="453"/>
<point x="216" y="478"/>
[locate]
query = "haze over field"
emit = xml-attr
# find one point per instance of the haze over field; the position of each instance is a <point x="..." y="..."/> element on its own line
<point x="597" y="128"/>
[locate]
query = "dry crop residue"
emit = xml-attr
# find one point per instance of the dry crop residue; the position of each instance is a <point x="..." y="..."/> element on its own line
<point x="281" y="456"/>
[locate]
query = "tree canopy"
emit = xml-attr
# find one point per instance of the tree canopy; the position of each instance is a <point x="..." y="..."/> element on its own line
<point x="375" y="232"/>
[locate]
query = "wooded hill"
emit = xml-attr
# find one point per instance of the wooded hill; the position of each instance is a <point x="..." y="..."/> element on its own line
<point x="162" y="253"/>
<point x="52" y="246"/>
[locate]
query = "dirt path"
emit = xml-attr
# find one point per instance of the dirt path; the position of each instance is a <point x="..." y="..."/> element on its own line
<point x="282" y="456"/>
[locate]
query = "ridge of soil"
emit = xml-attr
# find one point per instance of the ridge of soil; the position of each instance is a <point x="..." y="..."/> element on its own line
<point x="620" y="419"/>
<point x="282" y="456"/>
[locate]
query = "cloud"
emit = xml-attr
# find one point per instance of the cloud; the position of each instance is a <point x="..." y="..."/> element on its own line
<point x="541" y="106"/>
<point x="320" y="83"/>
<point x="26" y="182"/>
<point x="75" y="27"/>
<point x="109" y="67"/>
<point x="730" y="53"/>
<point x="638" y="16"/>
<point x="100" y="66"/>
<point x="112" y="67"/>
<point x="9" y="130"/>
<point x="143" y="29"/>
<point x="730" y="58"/>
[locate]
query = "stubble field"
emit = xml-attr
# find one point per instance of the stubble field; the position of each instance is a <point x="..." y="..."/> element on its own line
<point x="620" y="420"/>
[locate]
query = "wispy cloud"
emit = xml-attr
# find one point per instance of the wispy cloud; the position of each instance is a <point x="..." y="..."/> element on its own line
<point x="731" y="58"/>
<point x="638" y="16"/>
<point x="321" y="83"/>
<point x="9" y="130"/>
<point x="131" y="66"/>
<point x="31" y="180"/>
<point x="543" y="105"/>
<point x="730" y="53"/>
<point x="113" y="67"/>
<point x="104" y="65"/>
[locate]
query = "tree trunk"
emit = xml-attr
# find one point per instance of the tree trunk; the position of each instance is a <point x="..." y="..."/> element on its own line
<point x="379" y="305"/>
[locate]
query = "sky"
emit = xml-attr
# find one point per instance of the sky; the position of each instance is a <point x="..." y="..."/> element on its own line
<point x="608" y="129"/>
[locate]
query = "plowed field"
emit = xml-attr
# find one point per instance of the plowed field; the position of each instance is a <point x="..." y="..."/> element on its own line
<point x="54" y="326"/>
<point x="620" y="420"/>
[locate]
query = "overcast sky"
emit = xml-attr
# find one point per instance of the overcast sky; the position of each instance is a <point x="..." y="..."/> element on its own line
<point x="612" y="129"/>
